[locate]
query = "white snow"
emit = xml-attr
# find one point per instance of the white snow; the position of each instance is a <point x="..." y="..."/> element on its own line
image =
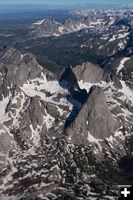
<point x="22" y="57"/>
<point x="110" y="139"/>
<point x="82" y="46"/>
<point x="49" y="120"/>
<point x="17" y="114"/>
<point x="43" y="84"/>
<point x="30" y="91"/>
<point x="78" y="27"/>
<point x="122" y="35"/>
<point x="35" y="134"/>
<point x="61" y="29"/>
<point x="113" y="38"/>
<point x="39" y="22"/>
<point x="121" y="66"/>
<point x="56" y="35"/>
<point x="85" y="85"/>
<point x="112" y="20"/>
<point x="60" y="110"/>
<point x="92" y="139"/>
<point x="119" y="134"/>
<point x="3" y="105"/>
<point x="101" y="47"/>
<point x="97" y="22"/>
<point x="121" y="45"/>
<point x="127" y="91"/>
<point x="36" y="87"/>
<point x="119" y="36"/>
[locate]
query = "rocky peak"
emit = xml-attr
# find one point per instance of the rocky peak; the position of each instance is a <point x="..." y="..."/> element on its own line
<point x="94" y="119"/>
<point x="47" y="28"/>
<point x="27" y="95"/>
<point x="16" y="69"/>
<point x="88" y="72"/>
<point x="19" y="65"/>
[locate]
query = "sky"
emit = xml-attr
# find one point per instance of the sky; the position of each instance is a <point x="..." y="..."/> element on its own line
<point x="65" y="1"/>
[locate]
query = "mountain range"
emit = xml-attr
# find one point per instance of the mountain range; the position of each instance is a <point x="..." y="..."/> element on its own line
<point x="67" y="135"/>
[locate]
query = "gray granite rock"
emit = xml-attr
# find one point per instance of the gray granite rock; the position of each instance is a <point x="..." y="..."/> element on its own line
<point x="88" y="72"/>
<point x="94" y="118"/>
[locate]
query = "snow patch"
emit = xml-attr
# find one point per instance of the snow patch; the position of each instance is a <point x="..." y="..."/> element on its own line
<point x="49" y="120"/>
<point x="85" y="85"/>
<point x="61" y="29"/>
<point x="48" y="91"/>
<point x="92" y="139"/>
<point x="39" y="22"/>
<point x="3" y="105"/>
<point x="122" y="35"/>
<point x="127" y="91"/>
<point x="113" y="38"/>
<point x="121" y="66"/>
<point x="119" y="134"/>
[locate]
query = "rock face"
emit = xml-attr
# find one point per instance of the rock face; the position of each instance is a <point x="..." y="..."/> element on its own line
<point x="101" y="123"/>
<point x="94" y="119"/>
<point x="60" y="138"/>
<point x="16" y="69"/>
<point x="25" y="99"/>
<point x="88" y="72"/>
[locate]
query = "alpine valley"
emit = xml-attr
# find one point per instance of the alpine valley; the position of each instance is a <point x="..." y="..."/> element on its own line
<point x="66" y="104"/>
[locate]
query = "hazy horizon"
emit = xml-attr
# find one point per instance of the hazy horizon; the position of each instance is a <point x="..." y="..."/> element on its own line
<point x="14" y="6"/>
<point x="66" y="2"/>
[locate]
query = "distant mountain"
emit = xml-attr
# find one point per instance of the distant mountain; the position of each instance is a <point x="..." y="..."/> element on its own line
<point x="85" y="19"/>
<point x="46" y="28"/>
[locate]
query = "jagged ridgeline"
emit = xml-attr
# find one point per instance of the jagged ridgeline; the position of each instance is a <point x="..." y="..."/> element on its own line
<point x="68" y="137"/>
<point x="94" y="36"/>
